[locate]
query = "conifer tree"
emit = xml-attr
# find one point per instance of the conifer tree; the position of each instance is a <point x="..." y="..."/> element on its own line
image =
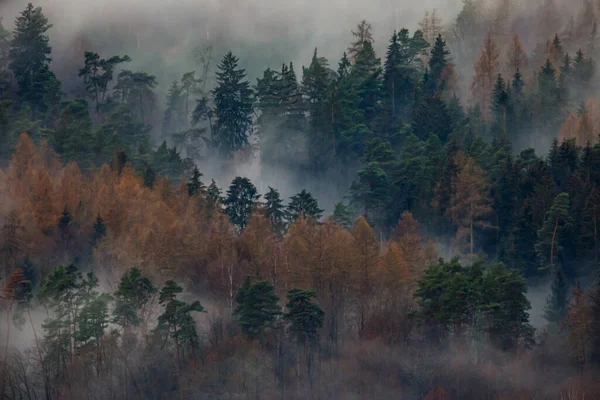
<point x="486" y="70"/>
<point x="579" y="328"/>
<point x="195" y="185"/>
<point x="257" y="308"/>
<point x="30" y="58"/>
<point x="275" y="211"/>
<point x="97" y="74"/>
<point x="240" y="201"/>
<point x="558" y="301"/>
<point x="550" y="235"/>
<point x="132" y="295"/>
<point x="98" y="231"/>
<point x="342" y="215"/>
<point x="174" y="118"/>
<point x="438" y="62"/>
<point x="176" y="320"/>
<point x="306" y="320"/>
<point x="233" y="106"/>
<point x="303" y="204"/>
<point x="213" y="195"/>
<point x="469" y="203"/>
<point x="363" y="35"/>
<point x="506" y="307"/>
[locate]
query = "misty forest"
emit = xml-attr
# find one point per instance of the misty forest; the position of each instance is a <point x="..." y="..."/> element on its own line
<point x="413" y="213"/>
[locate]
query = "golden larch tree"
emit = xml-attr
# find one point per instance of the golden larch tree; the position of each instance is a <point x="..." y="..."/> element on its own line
<point x="366" y="259"/>
<point x="469" y="202"/>
<point x="486" y="71"/>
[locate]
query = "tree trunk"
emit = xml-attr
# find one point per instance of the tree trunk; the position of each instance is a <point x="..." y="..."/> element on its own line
<point x="4" y="366"/>
<point x="552" y="243"/>
<point x="40" y="355"/>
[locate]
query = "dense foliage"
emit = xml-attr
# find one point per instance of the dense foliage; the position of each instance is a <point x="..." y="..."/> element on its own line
<point x="152" y="284"/>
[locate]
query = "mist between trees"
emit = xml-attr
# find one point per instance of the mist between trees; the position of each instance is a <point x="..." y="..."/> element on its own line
<point x="362" y="229"/>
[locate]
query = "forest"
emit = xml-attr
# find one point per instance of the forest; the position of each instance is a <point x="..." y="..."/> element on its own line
<point x="432" y="193"/>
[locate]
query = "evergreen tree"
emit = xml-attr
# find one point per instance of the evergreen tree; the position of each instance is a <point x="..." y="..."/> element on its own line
<point x="303" y="204"/>
<point x="306" y="320"/>
<point x="135" y="89"/>
<point x="552" y="232"/>
<point x="502" y="112"/>
<point x="275" y="211"/>
<point x="174" y="119"/>
<point x="240" y="201"/>
<point x="133" y="294"/>
<point x="257" y="308"/>
<point x="366" y="73"/>
<point x="30" y="58"/>
<point x="505" y="307"/>
<point x="213" y="195"/>
<point x="233" y="106"/>
<point x="438" y="62"/>
<point x="97" y="74"/>
<point x="431" y="117"/>
<point x="315" y="86"/>
<point x="99" y="231"/>
<point x="73" y="137"/>
<point x="342" y="215"/>
<point x="195" y="185"/>
<point x="558" y="301"/>
<point x="176" y="320"/>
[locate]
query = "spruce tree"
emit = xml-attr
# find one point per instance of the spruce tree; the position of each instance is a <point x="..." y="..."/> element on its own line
<point x="195" y="185"/>
<point x="233" y="106"/>
<point x="30" y="53"/>
<point x="275" y="211"/>
<point x="240" y="201"/>
<point x="303" y="204"/>
<point x="437" y="64"/>
<point x="99" y="231"/>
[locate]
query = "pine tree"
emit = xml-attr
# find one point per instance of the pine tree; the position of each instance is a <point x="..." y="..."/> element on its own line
<point x="303" y="204"/>
<point x="30" y="58"/>
<point x="135" y="89"/>
<point x="558" y="301"/>
<point x="557" y="220"/>
<point x="240" y="201"/>
<point x="176" y="320"/>
<point x="257" y="308"/>
<point x="97" y="74"/>
<point x="233" y="106"/>
<point x="505" y="306"/>
<point x="133" y="294"/>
